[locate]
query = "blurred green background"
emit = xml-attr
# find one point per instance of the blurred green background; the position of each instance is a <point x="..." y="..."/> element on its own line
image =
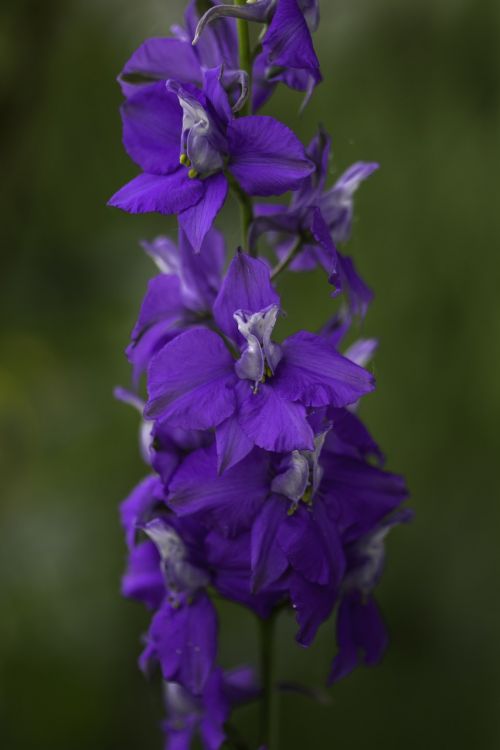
<point x="412" y="84"/>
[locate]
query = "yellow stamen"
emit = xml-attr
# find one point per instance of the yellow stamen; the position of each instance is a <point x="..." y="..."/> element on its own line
<point x="185" y="160"/>
<point x="192" y="174"/>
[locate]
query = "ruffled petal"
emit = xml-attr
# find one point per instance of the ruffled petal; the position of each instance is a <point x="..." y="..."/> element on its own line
<point x="312" y="372"/>
<point x="185" y="642"/>
<point x="163" y="194"/>
<point x="136" y="507"/>
<point x="197" y="219"/>
<point x="231" y="499"/>
<point x="152" y="126"/>
<point x="266" y="157"/>
<point x="268" y="561"/>
<point x="189" y="381"/>
<point x="359" y="495"/>
<point x="143" y="579"/>
<point x="232" y="444"/>
<point x="162" y="303"/>
<point x="273" y="423"/>
<point x="302" y="542"/>
<point x="313" y="604"/>
<point x="246" y="286"/>
<point x="201" y="273"/>
<point x="158" y="59"/>
<point x="359" y="627"/>
<point x="288" y="41"/>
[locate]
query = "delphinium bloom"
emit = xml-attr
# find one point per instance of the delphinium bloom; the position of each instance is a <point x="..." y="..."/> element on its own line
<point x="264" y="488"/>
<point x="308" y="232"/>
<point x="261" y="395"/>
<point x="285" y="52"/>
<point x="188" y="141"/>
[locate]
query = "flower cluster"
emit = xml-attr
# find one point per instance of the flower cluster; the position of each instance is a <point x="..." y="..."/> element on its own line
<point x="264" y="486"/>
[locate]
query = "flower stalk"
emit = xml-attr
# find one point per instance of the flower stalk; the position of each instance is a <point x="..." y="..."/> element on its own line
<point x="263" y="486"/>
<point x="245" y="56"/>
<point x="267" y="708"/>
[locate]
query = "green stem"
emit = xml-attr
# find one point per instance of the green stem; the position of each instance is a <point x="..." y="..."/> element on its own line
<point x="266" y="675"/>
<point x="245" y="53"/>
<point x="246" y="210"/>
<point x="245" y="56"/>
<point x="283" y="264"/>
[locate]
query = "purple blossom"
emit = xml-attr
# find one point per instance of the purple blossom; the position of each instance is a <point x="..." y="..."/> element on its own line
<point x="186" y="139"/>
<point x="160" y="58"/>
<point x="360" y="627"/>
<point x="262" y="397"/>
<point x="189" y="715"/>
<point x="303" y="511"/>
<point x="323" y="219"/>
<point x="287" y="49"/>
<point x="266" y="488"/>
<point x="182" y="636"/>
<point x="180" y="297"/>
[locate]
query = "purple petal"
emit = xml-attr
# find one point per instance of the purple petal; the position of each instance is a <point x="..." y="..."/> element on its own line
<point x="164" y="253"/>
<point x="197" y="219"/>
<point x="152" y="125"/>
<point x="350" y="435"/>
<point x="139" y="353"/>
<point x="232" y="444"/>
<point x="301" y="541"/>
<point x="246" y="286"/>
<point x="201" y="273"/>
<point x="266" y="157"/>
<point x="312" y="604"/>
<point x="136" y="507"/>
<point x="288" y="40"/>
<point x="312" y="372"/>
<point x="359" y="626"/>
<point x="359" y="495"/>
<point x="219" y="40"/>
<point x="362" y="351"/>
<point x="189" y="381"/>
<point x="352" y="178"/>
<point x="273" y="423"/>
<point x="163" y="194"/>
<point x="159" y="59"/>
<point x="358" y="293"/>
<point x="162" y="303"/>
<point x="231" y="499"/>
<point x="185" y="640"/>
<point x="216" y="712"/>
<point x="143" y="580"/>
<point x="268" y="561"/>
<point x="212" y="86"/>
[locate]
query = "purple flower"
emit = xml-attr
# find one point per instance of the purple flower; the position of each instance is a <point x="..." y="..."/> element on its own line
<point x="206" y="714"/>
<point x="259" y="396"/>
<point x="181" y="296"/>
<point x="303" y="512"/>
<point x="360" y="627"/>
<point x="182" y="636"/>
<point x="159" y="58"/>
<point x="186" y="139"/>
<point x="323" y="219"/>
<point x="287" y="50"/>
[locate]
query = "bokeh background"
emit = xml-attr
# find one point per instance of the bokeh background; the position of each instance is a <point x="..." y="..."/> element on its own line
<point x="412" y="84"/>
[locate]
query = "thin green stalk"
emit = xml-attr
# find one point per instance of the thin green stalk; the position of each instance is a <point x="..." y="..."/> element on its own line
<point x="245" y="55"/>
<point x="283" y="264"/>
<point x="266" y="635"/>
<point x="246" y="210"/>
